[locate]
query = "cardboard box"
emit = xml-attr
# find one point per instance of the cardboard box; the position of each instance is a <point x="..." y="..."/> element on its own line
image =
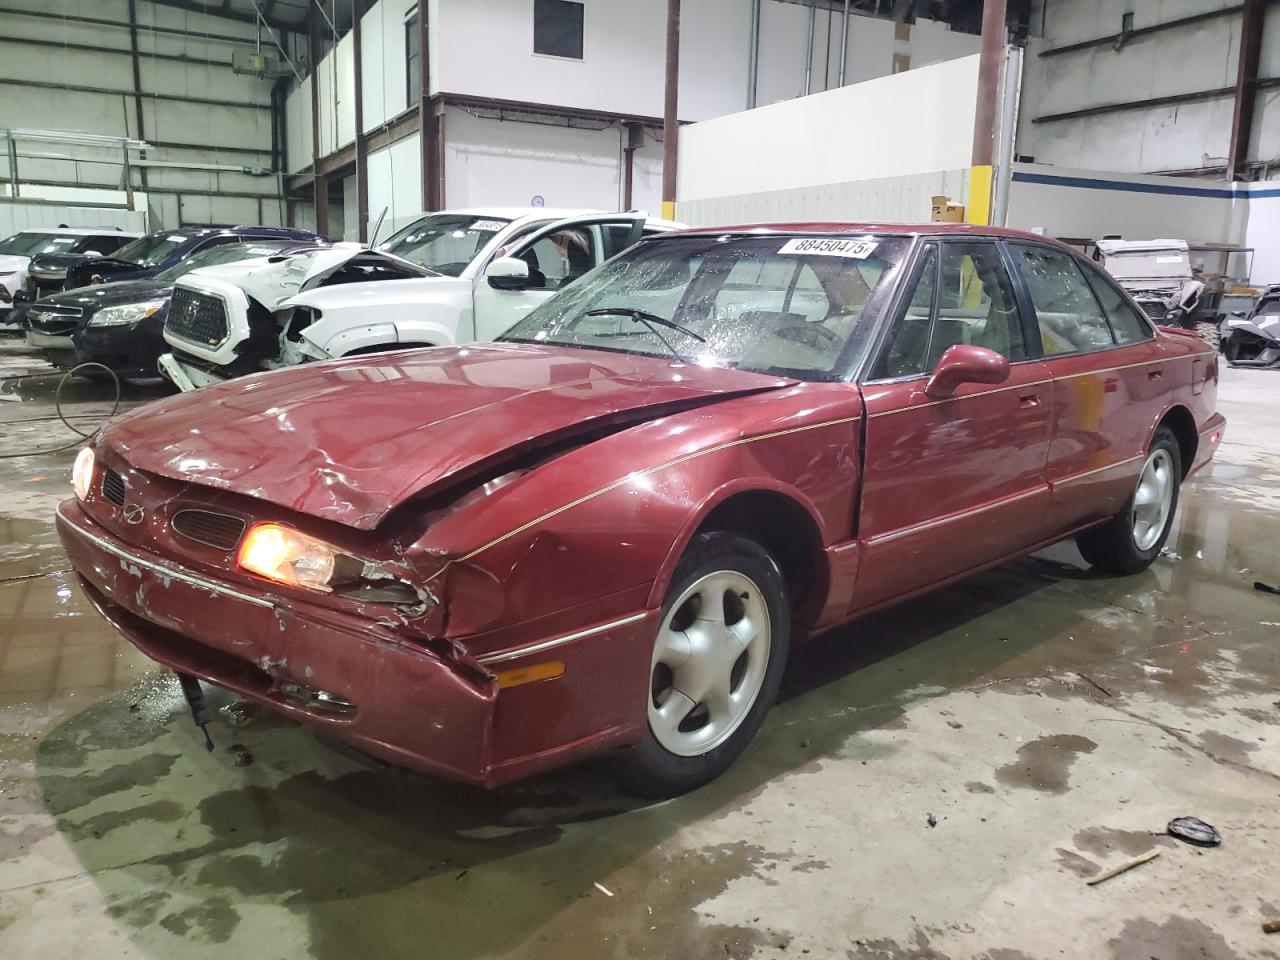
<point x="944" y="211"/>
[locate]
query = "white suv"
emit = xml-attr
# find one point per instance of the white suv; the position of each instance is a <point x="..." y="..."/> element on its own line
<point x="447" y="278"/>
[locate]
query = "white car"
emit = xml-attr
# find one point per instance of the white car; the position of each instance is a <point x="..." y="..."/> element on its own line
<point x="448" y="278"/>
<point x="71" y="242"/>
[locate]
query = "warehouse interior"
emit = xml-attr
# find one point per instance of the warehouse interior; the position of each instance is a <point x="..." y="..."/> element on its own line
<point x="318" y="269"/>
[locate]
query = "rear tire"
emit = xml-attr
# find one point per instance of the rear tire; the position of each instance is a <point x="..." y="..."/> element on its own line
<point x="1129" y="541"/>
<point x="1210" y="332"/>
<point x="717" y="662"/>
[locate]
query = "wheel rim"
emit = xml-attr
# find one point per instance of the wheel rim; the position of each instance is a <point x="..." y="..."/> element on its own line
<point x="709" y="663"/>
<point x="1153" y="500"/>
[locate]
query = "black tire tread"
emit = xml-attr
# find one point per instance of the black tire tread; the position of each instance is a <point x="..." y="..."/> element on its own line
<point x="1109" y="546"/>
<point x="647" y="769"/>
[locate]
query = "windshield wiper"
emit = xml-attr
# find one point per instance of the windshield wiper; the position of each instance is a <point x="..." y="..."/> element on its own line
<point x="650" y="320"/>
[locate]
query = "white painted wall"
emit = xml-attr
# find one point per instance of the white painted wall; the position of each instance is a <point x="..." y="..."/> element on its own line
<point x="336" y="82"/>
<point x="215" y="134"/>
<point x="1092" y="204"/>
<point x="385" y="79"/>
<point x="489" y="52"/>
<point x="16" y="215"/>
<point x="493" y="162"/>
<point x="395" y="182"/>
<point x="859" y="132"/>
<point x="297" y="127"/>
<point x="1263" y="233"/>
<point x="898" y="199"/>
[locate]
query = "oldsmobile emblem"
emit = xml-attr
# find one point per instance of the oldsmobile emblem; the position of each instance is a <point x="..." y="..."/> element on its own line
<point x="133" y="514"/>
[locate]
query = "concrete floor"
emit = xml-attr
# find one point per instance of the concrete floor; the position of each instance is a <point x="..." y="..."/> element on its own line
<point x="1050" y="721"/>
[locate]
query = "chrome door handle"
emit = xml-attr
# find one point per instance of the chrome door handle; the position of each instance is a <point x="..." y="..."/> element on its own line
<point x="1029" y="400"/>
<point x="1155" y="374"/>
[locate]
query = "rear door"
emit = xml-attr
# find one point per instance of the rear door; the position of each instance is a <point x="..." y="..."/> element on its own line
<point x="557" y="255"/>
<point x="952" y="484"/>
<point x="1111" y="381"/>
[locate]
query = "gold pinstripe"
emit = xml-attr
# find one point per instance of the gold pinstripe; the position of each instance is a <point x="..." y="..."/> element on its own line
<point x="630" y="476"/>
<point x="1022" y="386"/>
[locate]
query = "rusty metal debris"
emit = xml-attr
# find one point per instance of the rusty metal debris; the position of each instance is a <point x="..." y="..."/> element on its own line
<point x="1194" y="830"/>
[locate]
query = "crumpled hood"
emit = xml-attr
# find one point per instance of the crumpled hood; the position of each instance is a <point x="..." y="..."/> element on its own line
<point x="272" y="280"/>
<point x="420" y="291"/>
<point x="349" y="440"/>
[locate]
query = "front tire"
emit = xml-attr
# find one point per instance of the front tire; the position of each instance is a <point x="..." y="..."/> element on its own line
<point x="717" y="662"/>
<point x="1129" y="541"/>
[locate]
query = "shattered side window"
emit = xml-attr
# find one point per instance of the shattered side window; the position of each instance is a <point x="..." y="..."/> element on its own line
<point x="1129" y="325"/>
<point x="1067" y="313"/>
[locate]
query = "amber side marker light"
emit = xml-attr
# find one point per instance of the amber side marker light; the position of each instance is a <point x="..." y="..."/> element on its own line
<point x="82" y="473"/>
<point x="522" y="675"/>
<point x="284" y="555"/>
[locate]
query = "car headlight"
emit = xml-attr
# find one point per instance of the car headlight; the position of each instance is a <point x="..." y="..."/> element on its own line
<point x="126" y="313"/>
<point x="287" y="556"/>
<point x="82" y="472"/>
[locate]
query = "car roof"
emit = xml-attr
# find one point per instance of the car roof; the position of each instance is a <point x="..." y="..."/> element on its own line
<point x="859" y="228"/>
<point x="1140" y="246"/>
<point x="79" y="231"/>
<point x="514" y="214"/>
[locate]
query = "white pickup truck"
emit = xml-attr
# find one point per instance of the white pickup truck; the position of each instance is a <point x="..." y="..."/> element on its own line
<point x="448" y="278"/>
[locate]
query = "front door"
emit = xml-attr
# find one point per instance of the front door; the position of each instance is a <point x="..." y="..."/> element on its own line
<point x="556" y="256"/>
<point x="950" y="484"/>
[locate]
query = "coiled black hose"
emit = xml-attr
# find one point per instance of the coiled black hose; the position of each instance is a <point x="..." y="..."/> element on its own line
<point x="57" y="406"/>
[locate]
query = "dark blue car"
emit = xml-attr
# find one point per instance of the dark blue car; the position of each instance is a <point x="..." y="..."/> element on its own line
<point x="158" y="251"/>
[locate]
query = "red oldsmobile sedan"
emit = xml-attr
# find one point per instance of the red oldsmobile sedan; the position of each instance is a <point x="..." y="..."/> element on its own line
<point x="604" y="531"/>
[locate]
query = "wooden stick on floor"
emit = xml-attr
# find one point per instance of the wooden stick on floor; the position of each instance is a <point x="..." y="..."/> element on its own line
<point x="1127" y="865"/>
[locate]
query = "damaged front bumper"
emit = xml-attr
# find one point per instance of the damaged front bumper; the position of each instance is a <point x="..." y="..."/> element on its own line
<point x="356" y="680"/>
<point x="186" y="377"/>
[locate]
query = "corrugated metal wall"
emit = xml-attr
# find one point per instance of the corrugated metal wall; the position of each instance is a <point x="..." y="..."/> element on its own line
<point x="16" y="215"/>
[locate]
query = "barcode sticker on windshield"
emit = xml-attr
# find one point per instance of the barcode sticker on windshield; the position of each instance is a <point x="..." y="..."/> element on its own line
<point x="488" y="225"/>
<point x="830" y="247"/>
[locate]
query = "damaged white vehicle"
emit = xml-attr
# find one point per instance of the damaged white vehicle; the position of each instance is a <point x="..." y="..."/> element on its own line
<point x="448" y="278"/>
<point x="1158" y="274"/>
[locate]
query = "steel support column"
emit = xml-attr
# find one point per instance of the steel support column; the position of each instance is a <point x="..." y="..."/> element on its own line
<point x="319" y="182"/>
<point x="362" y="145"/>
<point x="986" y="112"/>
<point x="430" y="122"/>
<point x="635" y="140"/>
<point x="140" y="131"/>
<point x="670" y="117"/>
<point x="808" y="50"/>
<point x="14" y="190"/>
<point x="991" y="59"/>
<point x="844" y="43"/>
<point x="1246" y="88"/>
<point x="753" y="55"/>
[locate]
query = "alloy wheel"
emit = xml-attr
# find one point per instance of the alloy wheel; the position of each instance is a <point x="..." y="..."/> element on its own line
<point x="709" y="663"/>
<point x="1153" y="500"/>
